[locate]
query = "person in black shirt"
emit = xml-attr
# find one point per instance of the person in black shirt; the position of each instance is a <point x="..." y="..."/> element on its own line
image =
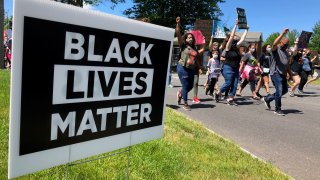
<point x="296" y="68"/>
<point x="231" y="65"/>
<point x="265" y="66"/>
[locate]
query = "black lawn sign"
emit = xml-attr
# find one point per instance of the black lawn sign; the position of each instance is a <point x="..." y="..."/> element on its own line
<point x="82" y="85"/>
<point x="304" y="39"/>
<point x="242" y="19"/>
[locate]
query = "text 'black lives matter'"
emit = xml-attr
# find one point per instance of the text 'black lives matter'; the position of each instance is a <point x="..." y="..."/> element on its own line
<point x="81" y="83"/>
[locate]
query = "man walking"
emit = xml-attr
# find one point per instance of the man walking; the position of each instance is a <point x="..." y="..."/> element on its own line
<point x="278" y="71"/>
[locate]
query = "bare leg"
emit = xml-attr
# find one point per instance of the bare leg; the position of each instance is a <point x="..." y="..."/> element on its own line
<point x="266" y="83"/>
<point x="313" y="79"/>
<point x="296" y="80"/>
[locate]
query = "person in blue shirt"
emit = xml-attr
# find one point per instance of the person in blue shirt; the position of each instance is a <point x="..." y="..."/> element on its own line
<point x="306" y="69"/>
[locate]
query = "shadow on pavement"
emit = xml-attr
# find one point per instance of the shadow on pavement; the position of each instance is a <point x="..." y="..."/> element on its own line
<point x="308" y="95"/>
<point x="172" y="106"/>
<point x="196" y="106"/>
<point x="292" y="111"/>
<point x="247" y="100"/>
<point x="177" y="86"/>
<point x="207" y="99"/>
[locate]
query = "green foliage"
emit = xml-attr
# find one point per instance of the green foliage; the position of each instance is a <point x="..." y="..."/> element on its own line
<point x="91" y="2"/>
<point x="97" y="2"/>
<point x="271" y="38"/>
<point x="293" y="35"/>
<point x="315" y="38"/>
<point x="4" y="121"/>
<point x="6" y="21"/>
<point x="1" y="32"/>
<point x="164" y="12"/>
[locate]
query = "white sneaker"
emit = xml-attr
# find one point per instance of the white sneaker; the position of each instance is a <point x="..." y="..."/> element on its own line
<point x="291" y="94"/>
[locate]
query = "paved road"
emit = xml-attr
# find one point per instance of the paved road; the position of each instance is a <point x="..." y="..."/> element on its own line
<point x="290" y="142"/>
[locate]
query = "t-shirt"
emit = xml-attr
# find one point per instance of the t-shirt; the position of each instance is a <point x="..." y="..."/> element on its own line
<point x="296" y="66"/>
<point x="265" y="60"/>
<point x="306" y="64"/>
<point x="233" y="58"/>
<point x="250" y="60"/>
<point x="188" y="57"/>
<point x="223" y="54"/>
<point x="279" y="61"/>
<point x="215" y="67"/>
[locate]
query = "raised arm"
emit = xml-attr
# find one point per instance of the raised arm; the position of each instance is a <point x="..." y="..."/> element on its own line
<point x="201" y="50"/>
<point x="278" y="39"/>
<point x="233" y="32"/>
<point x="223" y="44"/>
<point x="178" y="31"/>
<point x="295" y="47"/>
<point x="210" y="43"/>
<point x="258" y="47"/>
<point x="243" y="37"/>
<point x="315" y="57"/>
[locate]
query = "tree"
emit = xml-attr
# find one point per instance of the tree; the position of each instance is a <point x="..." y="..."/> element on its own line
<point x="271" y="38"/>
<point x="79" y="3"/>
<point x="315" y="38"/>
<point x="164" y="12"/>
<point x="293" y="35"/>
<point x="1" y="32"/>
<point x="7" y="20"/>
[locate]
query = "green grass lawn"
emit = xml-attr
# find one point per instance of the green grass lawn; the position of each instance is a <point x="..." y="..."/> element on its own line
<point x="187" y="151"/>
<point x="317" y="82"/>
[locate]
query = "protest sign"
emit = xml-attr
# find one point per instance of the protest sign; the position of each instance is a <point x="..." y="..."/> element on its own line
<point x="304" y="39"/>
<point x="200" y="39"/>
<point x="218" y="30"/>
<point x="82" y="85"/>
<point x="242" y="19"/>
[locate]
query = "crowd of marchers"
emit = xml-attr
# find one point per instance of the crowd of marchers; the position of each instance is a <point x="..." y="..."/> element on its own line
<point x="241" y="64"/>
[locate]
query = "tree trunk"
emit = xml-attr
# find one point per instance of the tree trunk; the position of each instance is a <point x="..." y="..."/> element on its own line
<point x="2" y="65"/>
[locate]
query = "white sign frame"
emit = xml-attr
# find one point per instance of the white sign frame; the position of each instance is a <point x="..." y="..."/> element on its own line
<point x="53" y="11"/>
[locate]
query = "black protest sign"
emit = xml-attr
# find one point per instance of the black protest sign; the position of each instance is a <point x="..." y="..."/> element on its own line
<point x="242" y="19"/>
<point x="81" y="83"/>
<point x="304" y="39"/>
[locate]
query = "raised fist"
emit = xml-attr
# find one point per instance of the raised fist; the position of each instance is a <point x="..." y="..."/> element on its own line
<point x="178" y="20"/>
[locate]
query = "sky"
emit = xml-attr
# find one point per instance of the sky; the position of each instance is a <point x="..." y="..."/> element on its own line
<point x="266" y="16"/>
